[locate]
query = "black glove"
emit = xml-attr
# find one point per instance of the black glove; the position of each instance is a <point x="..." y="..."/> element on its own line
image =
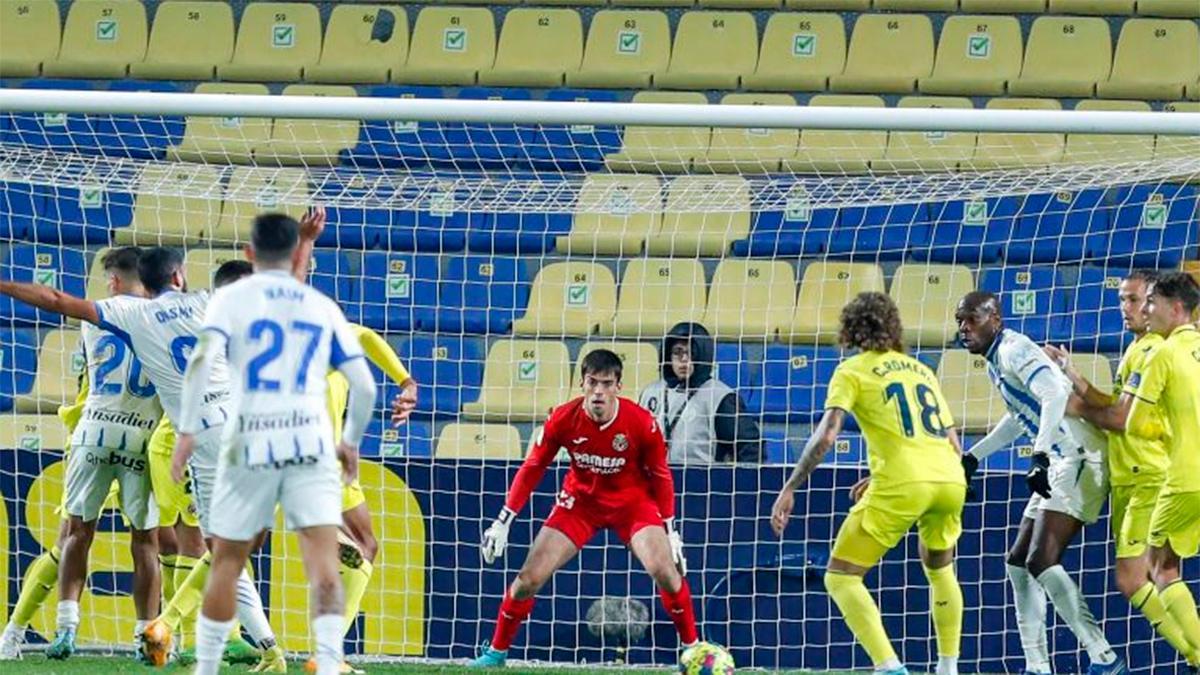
<point x="1038" y="478"/>
<point x="970" y="464"/>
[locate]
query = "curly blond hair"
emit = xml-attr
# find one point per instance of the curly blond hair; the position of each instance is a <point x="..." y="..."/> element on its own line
<point x="871" y="322"/>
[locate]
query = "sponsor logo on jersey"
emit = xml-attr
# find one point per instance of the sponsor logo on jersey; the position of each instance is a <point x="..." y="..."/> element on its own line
<point x="125" y="419"/>
<point x="292" y="419"/>
<point x="620" y="443"/>
<point x="134" y="464"/>
<point x="598" y="463"/>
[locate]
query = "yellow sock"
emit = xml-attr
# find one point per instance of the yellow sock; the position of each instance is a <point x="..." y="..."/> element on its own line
<point x="1181" y="606"/>
<point x="168" y="562"/>
<point x="180" y="613"/>
<point x="861" y="615"/>
<point x="946" y="601"/>
<point x="41" y="579"/>
<point x="1147" y="601"/>
<point x="354" y="580"/>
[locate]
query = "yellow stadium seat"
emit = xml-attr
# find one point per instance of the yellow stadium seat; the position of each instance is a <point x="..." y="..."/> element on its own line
<point x="974" y="402"/>
<point x="223" y="139"/>
<point x="253" y="190"/>
<point x="750" y="299"/>
<point x="97" y="281"/>
<point x="569" y="298"/>
<point x="363" y="43"/>
<point x="450" y="45"/>
<point x="100" y="39"/>
<point x="202" y="263"/>
<point x="174" y="205"/>
<point x="187" y="41"/>
<point x="478" y="441"/>
<point x="662" y="149"/>
<point x="702" y="216"/>
<point x="741" y="150"/>
<point x="59" y="366"/>
<point x="1003" y="6"/>
<point x="712" y="50"/>
<point x="613" y="215"/>
<point x="1064" y="56"/>
<point x="799" y="52"/>
<point x="1155" y="59"/>
<point x="917" y="5"/>
<point x="33" y="432"/>
<point x="309" y="142"/>
<point x="528" y="35"/>
<point x="994" y="150"/>
<point x="652" y="3"/>
<point x="30" y="33"/>
<point x="976" y="55"/>
<point x="1178" y="147"/>
<point x="1096" y="368"/>
<point x="842" y="5"/>
<point x="888" y="54"/>
<point x="1100" y="7"/>
<point x="928" y="150"/>
<point x="740" y="4"/>
<point x="640" y="365"/>
<point x="838" y="151"/>
<point x="625" y="48"/>
<point x="927" y="295"/>
<point x="1193" y="91"/>
<point x="522" y="381"/>
<point x="276" y="41"/>
<point x="825" y="288"/>
<point x="1106" y="148"/>
<point x="656" y="294"/>
<point x="1175" y="8"/>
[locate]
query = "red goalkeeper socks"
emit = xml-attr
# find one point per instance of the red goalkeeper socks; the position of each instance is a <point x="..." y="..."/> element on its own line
<point x="679" y="608"/>
<point x="513" y="613"/>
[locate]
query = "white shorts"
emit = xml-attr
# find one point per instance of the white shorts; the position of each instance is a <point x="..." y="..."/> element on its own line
<point x="203" y="466"/>
<point x="244" y="501"/>
<point x="91" y="471"/>
<point x="1078" y="488"/>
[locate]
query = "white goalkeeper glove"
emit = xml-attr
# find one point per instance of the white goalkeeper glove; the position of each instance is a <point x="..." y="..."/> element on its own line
<point x="676" y="542"/>
<point x="495" y="538"/>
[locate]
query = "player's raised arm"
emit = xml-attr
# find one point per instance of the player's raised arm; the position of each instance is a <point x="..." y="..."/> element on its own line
<point x="312" y="224"/>
<point x="51" y="300"/>
<point x="815" y="449"/>
<point x="379" y="352"/>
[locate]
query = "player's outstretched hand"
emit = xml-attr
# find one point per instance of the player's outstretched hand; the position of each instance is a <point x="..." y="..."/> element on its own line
<point x="404" y="403"/>
<point x="676" y="542"/>
<point x="860" y="488"/>
<point x="495" y="538"/>
<point x="312" y="223"/>
<point x="782" y="511"/>
<point x="348" y="455"/>
<point x="1038" y="478"/>
<point x="184" y="444"/>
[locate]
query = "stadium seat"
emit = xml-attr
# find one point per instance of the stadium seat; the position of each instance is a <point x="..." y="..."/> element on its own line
<point x="100" y="39"/>
<point x="740" y="366"/>
<point x="276" y="41"/>
<point x="309" y="142"/>
<point x="331" y="272"/>
<point x="888" y="53"/>
<point x="1153" y="226"/>
<point x="997" y="150"/>
<point x="574" y="147"/>
<point x="97" y="280"/>
<point x="174" y="205"/>
<point x="528" y="35"/>
<point x="1098" y="148"/>
<point x="661" y="149"/>
<point x="842" y="5"/>
<point x="1053" y="227"/>
<point x="656" y="294"/>
<point x="702" y="216"/>
<point x="1095" y="367"/>
<point x="1178" y="147"/>
<point x="80" y="215"/>
<point x="29" y="36"/>
<point x="927" y="295"/>
<point x="1094" y="323"/>
<point x="795" y="382"/>
<point x="396" y="142"/>
<point x="427" y="219"/>
<point x="18" y="365"/>
<point x="825" y="288"/>
<point x="613" y="216"/>
<point x="33" y="432"/>
<point x="1175" y="8"/>
<point x="1064" y="56"/>
<point x="976" y="55"/>
<point x="498" y="145"/>
<point x="1097" y="7"/>
<point x="479" y="441"/>
<point x="787" y="223"/>
<point x="222" y="139"/>
<point x="66" y="132"/>
<point x="799" y="52"/>
<point x="653" y="3"/>
<point x="60" y="364"/>
<point x="139" y="136"/>
<point x="640" y="365"/>
<point x="969" y="230"/>
<point x="201" y="264"/>
<point x="625" y="48"/>
<point x="363" y="44"/>
<point x="20" y="204"/>
<point x="569" y="299"/>
<point x="481" y="294"/>
<point x="449" y="369"/>
<point x="928" y="150"/>
<point x="522" y="233"/>
<point x="412" y="439"/>
<point x="399" y="291"/>
<point x="187" y="41"/>
<point x="1155" y="59"/>
<point x="840" y="152"/>
<point x="748" y="150"/>
<point x="522" y="381"/>
<point x="916" y="5"/>
<point x="1003" y="6"/>
<point x="712" y="50"/>
<point x="887" y="231"/>
<point x="60" y="268"/>
<point x="450" y="45"/>
<point x="750" y="299"/>
<point x="252" y="190"/>
<point x="1031" y="298"/>
<point x="974" y="402"/>
<point x="354" y="214"/>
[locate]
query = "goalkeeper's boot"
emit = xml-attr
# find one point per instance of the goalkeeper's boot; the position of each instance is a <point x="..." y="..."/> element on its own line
<point x="238" y="650"/>
<point x="310" y="666"/>
<point x="63" y="646"/>
<point x="272" y="661"/>
<point x="1115" y="668"/>
<point x="10" y="644"/>
<point x="490" y="658"/>
<point x="156" y="643"/>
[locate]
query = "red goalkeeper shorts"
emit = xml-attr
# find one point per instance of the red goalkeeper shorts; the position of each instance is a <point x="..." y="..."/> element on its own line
<point x="580" y="522"/>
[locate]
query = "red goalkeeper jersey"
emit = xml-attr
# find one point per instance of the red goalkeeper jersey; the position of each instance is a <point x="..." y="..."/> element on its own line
<point x="613" y="465"/>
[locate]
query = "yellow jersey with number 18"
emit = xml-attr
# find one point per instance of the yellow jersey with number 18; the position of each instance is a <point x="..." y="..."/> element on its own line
<point x="1133" y="460"/>
<point x="1170" y="383"/>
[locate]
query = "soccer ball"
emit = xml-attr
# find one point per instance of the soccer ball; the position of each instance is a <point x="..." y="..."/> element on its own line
<point x="706" y="658"/>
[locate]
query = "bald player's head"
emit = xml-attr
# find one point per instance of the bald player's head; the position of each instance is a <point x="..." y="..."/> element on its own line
<point x="979" y="321"/>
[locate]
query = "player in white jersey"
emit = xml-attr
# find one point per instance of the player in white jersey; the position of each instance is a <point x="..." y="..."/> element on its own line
<point x="282" y="337"/>
<point x="1068" y="476"/>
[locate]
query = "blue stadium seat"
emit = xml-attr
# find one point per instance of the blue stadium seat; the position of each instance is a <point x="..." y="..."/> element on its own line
<point x="58" y="131"/>
<point x="1153" y="226"/>
<point x="437" y="224"/>
<point x="398" y="291"/>
<point x="331" y="273"/>
<point x="1094" y="322"/>
<point x="784" y="222"/>
<point x="969" y="231"/>
<point x="1013" y="458"/>
<point x="395" y="143"/>
<point x="1052" y="227"/>
<point x="578" y="147"/>
<point x="737" y="367"/>
<point x="1031" y="298"/>
<point x="142" y="137"/>
<point x="414" y="438"/>
<point x="776" y="448"/>
<point x="19" y="205"/>
<point x="449" y="369"/>
<point x="848" y="449"/>
<point x="794" y="382"/>
<point x="482" y="145"/>
<point x="481" y="294"/>
<point x="71" y="216"/>
<point x="879" y="232"/>
<point x="520" y="233"/>
<point x="353" y="227"/>
<point x="62" y="268"/>
<point x="18" y="364"/>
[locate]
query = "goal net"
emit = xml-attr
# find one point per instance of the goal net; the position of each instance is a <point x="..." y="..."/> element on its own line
<point x="494" y="243"/>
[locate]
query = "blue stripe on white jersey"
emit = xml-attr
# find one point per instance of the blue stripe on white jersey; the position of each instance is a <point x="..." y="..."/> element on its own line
<point x="1014" y="361"/>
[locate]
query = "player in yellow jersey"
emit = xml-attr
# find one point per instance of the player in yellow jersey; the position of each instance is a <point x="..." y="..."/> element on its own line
<point x="915" y="478"/>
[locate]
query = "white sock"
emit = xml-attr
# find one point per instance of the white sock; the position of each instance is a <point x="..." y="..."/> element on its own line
<point x="327" y="629"/>
<point x="890" y="664"/>
<point x="947" y="665"/>
<point x="12" y="629"/>
<point x="68" y="615"/>
<point x="1070" y="605"/>
<point x="139" y="627"/>
<point x="1030" y="600"/>
<point x="210" y="643"/>
<point x="250" y="613"/>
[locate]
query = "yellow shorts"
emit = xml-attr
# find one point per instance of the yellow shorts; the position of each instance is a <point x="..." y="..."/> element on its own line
<point x="352" y="496"/>
<point x="175" y="501"/>
<point x="1132" y="507"/>
<point x="883" y="516"/>
<point x="1174" y="522"/>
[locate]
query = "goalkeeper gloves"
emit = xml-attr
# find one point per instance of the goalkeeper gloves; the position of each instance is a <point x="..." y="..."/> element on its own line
<point x="495" y="538"/>
<point x="1038" y="478"/>
<point x="676" y="542"/>
<point x="970" y="464"/>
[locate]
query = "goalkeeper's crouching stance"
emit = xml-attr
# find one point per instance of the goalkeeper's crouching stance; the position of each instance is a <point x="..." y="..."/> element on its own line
<point x="618" y="479"/>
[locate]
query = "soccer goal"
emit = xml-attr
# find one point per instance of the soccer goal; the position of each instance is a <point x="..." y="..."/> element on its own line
<point x="494" y="243"/>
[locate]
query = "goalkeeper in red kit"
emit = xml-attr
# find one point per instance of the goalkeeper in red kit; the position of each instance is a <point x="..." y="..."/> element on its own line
<point x="619" y="480"/>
